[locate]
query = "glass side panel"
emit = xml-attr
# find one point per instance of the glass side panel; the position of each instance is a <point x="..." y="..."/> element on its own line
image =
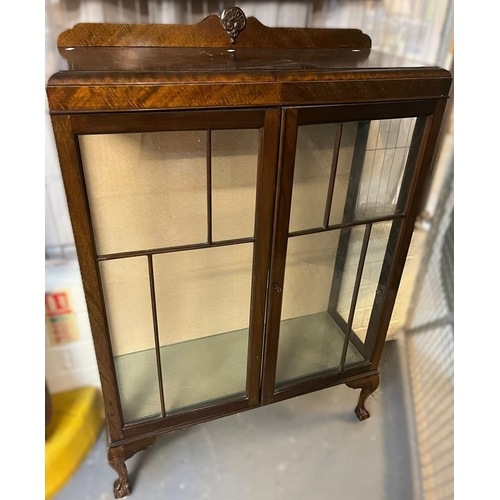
<point x="370" y="278"/>
<point x="128" y="307"/>
<point x="235" y="155"/>
<point x="203" y="300"/>
<point x="313" y="165"/>
<point x="310" y="339"/>
<point x="370" y="170"/>
<point x="146" y="190"/>
<point x="351" y="241"/>
<point x="376" y="268"/>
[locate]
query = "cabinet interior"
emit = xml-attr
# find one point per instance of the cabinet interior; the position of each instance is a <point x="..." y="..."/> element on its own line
<point x="170" y="192"/>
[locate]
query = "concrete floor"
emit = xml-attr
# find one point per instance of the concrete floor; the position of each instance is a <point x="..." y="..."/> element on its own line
<point x="309" y="447"/>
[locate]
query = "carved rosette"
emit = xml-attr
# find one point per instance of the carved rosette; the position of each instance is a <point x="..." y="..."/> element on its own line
<point x="233" y="20"/>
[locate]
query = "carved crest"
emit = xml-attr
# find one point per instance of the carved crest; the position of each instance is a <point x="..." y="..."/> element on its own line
<point x="233" y="20"/>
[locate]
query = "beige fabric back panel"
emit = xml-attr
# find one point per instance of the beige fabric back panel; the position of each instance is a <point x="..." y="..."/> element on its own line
<point x="374" y="259"/>
<point x="356" y="237"/>
<point x="310" y="266"/>
<point x="313" y="164"/>
<point x="309" y="273"/>
<point x="150" y="190"/>
<point x="127" y="296"/>
<point x="234" y="183"/>
<point x="203" y="292"/>
<point x="375" y="254"/>
<point x="146" y="190"/>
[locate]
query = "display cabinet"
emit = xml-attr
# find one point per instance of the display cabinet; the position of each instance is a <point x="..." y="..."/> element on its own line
<point x="242" y="200"/>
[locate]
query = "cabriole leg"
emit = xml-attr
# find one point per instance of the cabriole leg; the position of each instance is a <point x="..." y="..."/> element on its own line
<point x="368" y="385"/>
<point x="117" y="456"/>
<point x="116" y="459"/>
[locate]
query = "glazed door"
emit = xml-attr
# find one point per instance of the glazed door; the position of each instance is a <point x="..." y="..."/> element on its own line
<point x="180" y="204"/>
<point x="346" y="177"/>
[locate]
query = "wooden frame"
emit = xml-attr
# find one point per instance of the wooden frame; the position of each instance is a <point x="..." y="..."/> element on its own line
<point x="147" y="78"/>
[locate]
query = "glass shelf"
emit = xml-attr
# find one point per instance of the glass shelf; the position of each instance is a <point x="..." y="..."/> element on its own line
<point x="309" y="345"/>
<point x="193" y="372"/>
<point x="207" y="369"/>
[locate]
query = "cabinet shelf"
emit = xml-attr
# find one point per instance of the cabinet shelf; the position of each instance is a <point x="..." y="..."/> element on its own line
<point x="310" y="345"/>
<point x="210" y="368"/>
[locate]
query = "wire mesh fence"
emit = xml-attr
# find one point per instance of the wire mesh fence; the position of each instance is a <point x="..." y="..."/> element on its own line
<point x="430" y="350"/>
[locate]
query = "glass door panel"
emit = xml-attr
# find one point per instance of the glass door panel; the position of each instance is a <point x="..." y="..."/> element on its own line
<point x="127" y="295"/>
<point x="203" y="300"/>
<point x="174" y="221"/>
<point x="351" y="181"/>
<point x="310" y="339"/>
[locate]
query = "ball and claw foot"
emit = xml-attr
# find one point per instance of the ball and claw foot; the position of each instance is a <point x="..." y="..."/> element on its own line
<point x="121" y="488"/>
<point x="362" y="413"/>
<point x="367" y="385"/>
<point x="116" y="458"/>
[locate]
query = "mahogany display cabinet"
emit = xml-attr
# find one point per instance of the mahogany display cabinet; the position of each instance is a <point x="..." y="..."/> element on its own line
<point x="242" y="200"/>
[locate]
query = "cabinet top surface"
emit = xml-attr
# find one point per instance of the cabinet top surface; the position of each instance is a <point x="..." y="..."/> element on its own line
<point x="230" y="64"/>
<point x="227" y="49"/>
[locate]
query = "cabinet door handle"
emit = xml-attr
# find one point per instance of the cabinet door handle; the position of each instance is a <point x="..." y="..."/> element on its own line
<point x="277" y="288"/>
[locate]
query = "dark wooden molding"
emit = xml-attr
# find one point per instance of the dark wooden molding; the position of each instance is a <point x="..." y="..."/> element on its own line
<point x="126" y="123"/>
<point x="83" y="98"/>
<point x="322" y="381"/>
<point x="148" y="66"/>
<point x="283" y="199"/>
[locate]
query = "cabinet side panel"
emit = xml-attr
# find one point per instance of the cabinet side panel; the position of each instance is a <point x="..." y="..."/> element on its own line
<point x="69" y="159"/>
